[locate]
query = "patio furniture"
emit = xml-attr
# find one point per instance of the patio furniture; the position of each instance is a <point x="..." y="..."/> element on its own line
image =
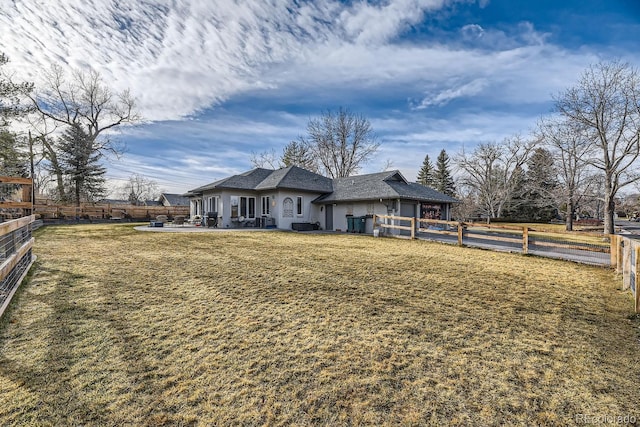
<point x="212" y="219"/>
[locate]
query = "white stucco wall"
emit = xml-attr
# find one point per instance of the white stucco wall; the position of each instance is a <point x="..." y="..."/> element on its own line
<point x="310" y="212"/>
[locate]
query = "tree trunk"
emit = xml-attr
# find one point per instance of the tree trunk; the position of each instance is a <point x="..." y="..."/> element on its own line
<point x="570" y="212"/>
<point x="609" y="211"/>
<point x="57" y="170"/>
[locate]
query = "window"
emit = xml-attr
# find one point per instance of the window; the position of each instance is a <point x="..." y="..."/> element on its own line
<point x="266" y="206"/>
<point x="252" y="208"/>
<point x="246" y="208"/>
<point x="234" y="206"/>
<point x="299" y="206"/>
<point x="243" y="206"/>
<point x="287" y="208"/>
<point x="213" y="204"/>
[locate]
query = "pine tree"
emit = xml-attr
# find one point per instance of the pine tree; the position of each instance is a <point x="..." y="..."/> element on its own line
<point x="542" y="184"/>
<point x="426" y="174"/>
<point x="13" y="161"/>
<point x="80" y="159"/>
<point x="296" y="153"/>
<point x="443" y="179"/>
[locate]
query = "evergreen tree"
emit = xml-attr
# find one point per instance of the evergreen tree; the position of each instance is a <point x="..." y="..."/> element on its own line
<point x="534" y="190"/>
<point x="443" y="178"/>
<point x="80" y="159"/>
<point x="541" y="183"/>
<point x="13" y="162"/>
<point x="298" y="154"/>
<point x="426" y="174"/>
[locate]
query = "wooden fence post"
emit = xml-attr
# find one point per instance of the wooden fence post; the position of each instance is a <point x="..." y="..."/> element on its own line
<point x="525" y="240"/>
<point x="636" y="294"/>
<point x="620" y="254"/>
<point x="413" y="227"/>
<point x="460" y="233"/>
<point x="614" y="250"/>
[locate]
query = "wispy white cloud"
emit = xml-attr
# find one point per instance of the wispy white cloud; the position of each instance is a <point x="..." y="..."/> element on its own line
<point x="184" y="58"/>
<point x="471" y="88"/>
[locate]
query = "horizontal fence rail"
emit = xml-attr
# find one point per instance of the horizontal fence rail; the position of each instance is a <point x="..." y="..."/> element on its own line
<point x="620" y="252"/>
<point x="588" y="248"/>
<point x="15" y="256"/>
<point x="107" y="211"/>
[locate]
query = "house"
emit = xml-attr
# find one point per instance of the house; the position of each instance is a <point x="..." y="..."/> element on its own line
<point x="294" y="195"/>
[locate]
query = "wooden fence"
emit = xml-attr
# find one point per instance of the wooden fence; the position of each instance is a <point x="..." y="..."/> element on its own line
<point x="107" y="211"/>
<point x="629" y="266"/>
<point x="16" y="257"/>
<point x="616" y="251"/>
<point x="585" y="247"/>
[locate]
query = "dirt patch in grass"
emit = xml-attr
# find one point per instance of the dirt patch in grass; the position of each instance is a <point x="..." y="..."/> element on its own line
<point x="118" y="327"/>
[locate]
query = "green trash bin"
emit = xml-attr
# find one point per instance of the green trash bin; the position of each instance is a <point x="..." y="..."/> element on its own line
<point x="359" y="224"/>
<point x="350" y="224"/>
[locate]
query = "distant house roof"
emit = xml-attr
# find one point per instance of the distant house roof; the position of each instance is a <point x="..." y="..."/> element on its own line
<point x="375" y="186"/>
<point x="382" y="185"/>
<point x="173" y="199"/>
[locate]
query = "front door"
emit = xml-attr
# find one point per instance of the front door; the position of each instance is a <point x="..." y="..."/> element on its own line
<point x="328" y="217"/>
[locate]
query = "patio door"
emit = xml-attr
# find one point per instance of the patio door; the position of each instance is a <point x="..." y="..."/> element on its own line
<point x="328" y="217"/>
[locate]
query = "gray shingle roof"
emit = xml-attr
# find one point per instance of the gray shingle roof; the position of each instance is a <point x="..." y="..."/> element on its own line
<point x="375" y="186"/>
<point x="176" y="199"/>
<point x="383" y="185"/>
<point x="296" y="178"/>
<point x="244" y="181"/>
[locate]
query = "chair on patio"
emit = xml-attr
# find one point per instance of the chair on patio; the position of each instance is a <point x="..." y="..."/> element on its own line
<point x="212" y="219"/>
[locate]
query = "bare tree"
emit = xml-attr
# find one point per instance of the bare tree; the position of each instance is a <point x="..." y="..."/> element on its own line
<point x="266" y="159"/>
<point x="138" y="189"/>
<point x="493" y="170"/>
<point x="341" y="142"/>
<point x="606" y="104"/>
<point x="571" y="148"/>
<point x="83" y="100"/>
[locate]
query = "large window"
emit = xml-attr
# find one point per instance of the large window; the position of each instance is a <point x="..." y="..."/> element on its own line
<point x="234" y="206"/>
<point x="287" y="208"/>
<point x="212" y="205"/>
<point x="299" y="210"/>
<point x="244" y="206"/>
<point x="266" y="206"/>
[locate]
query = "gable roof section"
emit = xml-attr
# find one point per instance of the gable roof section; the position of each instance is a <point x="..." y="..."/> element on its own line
<point x="296" y="178"/>
<point x="244" y="181"/>
<point x="383" y="185"/>
<point x="175" y="199"/>
<point x="292" y="177"/>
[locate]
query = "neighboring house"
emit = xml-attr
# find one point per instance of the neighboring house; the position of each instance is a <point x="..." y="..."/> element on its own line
<point x="294" y="195"/>
<point x="168" y="199"/>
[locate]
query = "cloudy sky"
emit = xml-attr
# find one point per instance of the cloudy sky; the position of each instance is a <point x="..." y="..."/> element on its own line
<point x="216" y="80"/>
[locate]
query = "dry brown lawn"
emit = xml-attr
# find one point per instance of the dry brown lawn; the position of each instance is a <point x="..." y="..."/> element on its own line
<point x="119" y="327"/>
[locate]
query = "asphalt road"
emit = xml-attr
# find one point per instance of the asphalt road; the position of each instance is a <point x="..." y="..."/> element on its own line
<point x="629" y="228"/>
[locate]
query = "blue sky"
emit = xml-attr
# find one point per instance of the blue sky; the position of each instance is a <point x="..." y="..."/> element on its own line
<point x="216" y="81"/>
